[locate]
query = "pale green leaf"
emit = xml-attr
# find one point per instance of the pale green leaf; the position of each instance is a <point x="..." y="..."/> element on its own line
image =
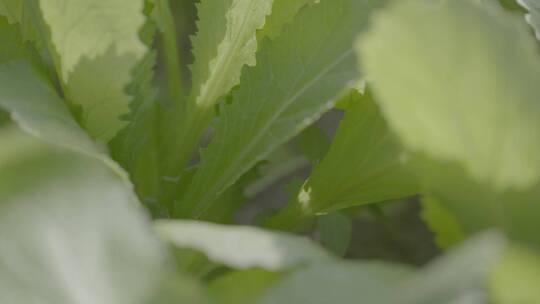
<point x="458" y="81"/>
<point x="533" y="17"/>
<point x="219" y="66"/>
<point x="97" y="45"/>
<point x="71" y="231"/>
<point x="241" y="247"/>
<point x="296" y="79"/>
<point x="32" y="102"/>
<point x="338" y="282"/>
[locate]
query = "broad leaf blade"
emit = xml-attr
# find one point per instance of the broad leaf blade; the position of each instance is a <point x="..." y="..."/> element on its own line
<point x="470" y="97"/>
<point x="297" y="77"/>
<point x="241" y="247"/>
<point x="468" y="104"/>
<point x="70" y="230"/>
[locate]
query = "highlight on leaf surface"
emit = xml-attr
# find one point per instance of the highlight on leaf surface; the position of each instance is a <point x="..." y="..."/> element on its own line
<point x="235" y="48"/>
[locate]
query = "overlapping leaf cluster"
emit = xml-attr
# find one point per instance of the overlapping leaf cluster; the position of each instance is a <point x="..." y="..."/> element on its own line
<point x="106" y="175"/>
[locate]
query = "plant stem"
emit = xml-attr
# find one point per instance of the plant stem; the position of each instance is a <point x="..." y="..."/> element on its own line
<point x="186" y="125"/>
<point x="171" y="54"/>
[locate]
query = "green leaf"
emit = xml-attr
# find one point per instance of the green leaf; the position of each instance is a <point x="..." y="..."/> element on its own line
<point x="338" y="282"/>
<point x="97" y="45"/>
<point x="533" y="17"/>
<point x="365" y="164"/>
<point x="242" y="287"/>
<point x="34" y="105"/>
<point x="335" y="230"/>
<point x="225" y="42"/>
<point x="461" y="276"/>
<point x="445" y="226"/>
<point x="283" y="12"/>
<point x="460" y="84"/>
<point x="136" y="147"/>
<point x="241" y="247"/>
<point x="71" y="231"/>
<point x="219" y="59"/>
<point x="297" y="77"/>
